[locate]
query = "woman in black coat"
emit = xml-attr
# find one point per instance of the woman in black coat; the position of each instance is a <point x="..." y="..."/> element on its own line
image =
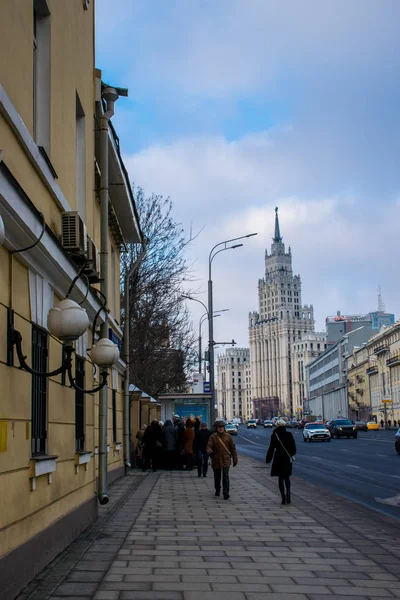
<point x="281" y="448"/>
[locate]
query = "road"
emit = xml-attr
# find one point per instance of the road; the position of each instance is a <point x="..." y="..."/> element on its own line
<point x="366" y="469"/>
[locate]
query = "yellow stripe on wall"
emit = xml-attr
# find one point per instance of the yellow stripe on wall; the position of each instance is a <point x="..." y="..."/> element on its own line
<point x="3" y="436"/>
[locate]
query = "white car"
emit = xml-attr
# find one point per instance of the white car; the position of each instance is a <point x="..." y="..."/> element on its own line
<point x="316" y="431"/>
<point x="252" y="423"/>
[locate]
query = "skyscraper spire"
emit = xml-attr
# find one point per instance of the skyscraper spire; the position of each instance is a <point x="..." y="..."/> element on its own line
<point x="381" y="304"/>
<point x="277" y="237"/>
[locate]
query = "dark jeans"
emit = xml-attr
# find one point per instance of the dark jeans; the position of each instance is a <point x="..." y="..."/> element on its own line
<point x="224" y="472"/>
<point x="202" y="462"/>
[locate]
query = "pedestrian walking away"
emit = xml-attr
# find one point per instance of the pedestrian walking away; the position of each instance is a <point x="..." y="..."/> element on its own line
<point x="169" y="444"/>
<point x="139" y="445"/>
<point x="201" y="438"/>
<point x="281" y="451"/>
<point x="222" y="450"/>
<point x="180" y="432"/>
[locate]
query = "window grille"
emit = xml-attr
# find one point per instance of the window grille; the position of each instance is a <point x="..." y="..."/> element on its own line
<point x="79" y="404"/>
<point x="39" y="391"/>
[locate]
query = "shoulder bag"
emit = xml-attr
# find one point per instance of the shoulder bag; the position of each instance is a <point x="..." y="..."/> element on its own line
<point x="221" y="441"/>
<point x="291" y="458"/>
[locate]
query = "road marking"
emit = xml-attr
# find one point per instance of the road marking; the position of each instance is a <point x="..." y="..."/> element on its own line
<point x="396" y="476"/>
<point x="353" y="466"/>
<point x="343" y="450"/>
<point x="384" y="455"/>
<point x="393" y="501"/>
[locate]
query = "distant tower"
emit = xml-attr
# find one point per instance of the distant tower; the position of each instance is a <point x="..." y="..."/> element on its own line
<point x="381" y="304"/>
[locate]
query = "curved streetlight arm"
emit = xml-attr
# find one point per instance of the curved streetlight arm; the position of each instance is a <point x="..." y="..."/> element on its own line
<point x="17" y="342"/>
<point x="242" y="237"/>
<point x="195" y="300"/>
<point x="66" y="366"/>
<point x="217" y="252"/>
<point x="104" y="376"/>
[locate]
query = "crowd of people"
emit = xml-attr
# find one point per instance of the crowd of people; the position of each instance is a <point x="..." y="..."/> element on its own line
<point x="175" y="444"/>
<point x="187" y="445"/>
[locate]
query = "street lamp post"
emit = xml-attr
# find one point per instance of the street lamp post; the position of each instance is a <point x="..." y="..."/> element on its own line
<point x="202" y="318"/>
<point x="211" y="257"/>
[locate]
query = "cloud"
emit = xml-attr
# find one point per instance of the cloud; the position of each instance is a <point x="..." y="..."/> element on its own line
<point x="233" y="188"/>
<point x="238" y="106"/>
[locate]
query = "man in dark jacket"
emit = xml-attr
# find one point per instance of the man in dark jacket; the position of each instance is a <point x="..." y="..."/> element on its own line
<point x="281" y="449"/>
<point x="200" y="444"/>
<point x="169" y="443"/>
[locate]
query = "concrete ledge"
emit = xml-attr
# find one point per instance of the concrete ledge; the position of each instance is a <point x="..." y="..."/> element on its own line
<point x="21" y="565"/>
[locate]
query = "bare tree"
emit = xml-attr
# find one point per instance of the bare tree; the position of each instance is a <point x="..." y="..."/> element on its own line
<point x="162" y="339"/>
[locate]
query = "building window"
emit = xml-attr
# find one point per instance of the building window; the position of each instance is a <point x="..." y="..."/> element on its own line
<point x="39" y="391"/>
<point x="114" y="415"/>
<point x="80" y="160"/>
<point x="41" y="74"/>
<point x="80" y="404"/>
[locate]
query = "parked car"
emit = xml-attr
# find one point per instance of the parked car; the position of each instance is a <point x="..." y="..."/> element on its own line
<point x="252" y="423"/>
<point x="231" y="428"/>
<point x="342" y="428"/>
<point x="292" y="423"/>
<point x="361" y="426"/>
<point x="268" y="423"/>
<point x="316" y="431"/>
<point x="372" y="426"/>
<point x="397" y="441"/>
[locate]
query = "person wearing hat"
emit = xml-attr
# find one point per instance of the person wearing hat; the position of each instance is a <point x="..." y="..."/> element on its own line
<point x="281" y="450"/>
<point x="221" y="449"/>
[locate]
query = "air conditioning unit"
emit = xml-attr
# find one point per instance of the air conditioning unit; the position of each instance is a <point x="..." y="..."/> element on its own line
<point x="92" y="269"/>
<point x="73" y="233"/>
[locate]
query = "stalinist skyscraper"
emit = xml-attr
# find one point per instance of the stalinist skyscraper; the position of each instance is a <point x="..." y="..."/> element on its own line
<point x="276" y="329"/>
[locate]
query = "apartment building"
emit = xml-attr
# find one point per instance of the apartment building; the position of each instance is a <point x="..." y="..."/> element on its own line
<point x="234" y="384"/>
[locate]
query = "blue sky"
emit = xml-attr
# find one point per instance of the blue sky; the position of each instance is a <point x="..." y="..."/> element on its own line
<point x="236" y="106"/>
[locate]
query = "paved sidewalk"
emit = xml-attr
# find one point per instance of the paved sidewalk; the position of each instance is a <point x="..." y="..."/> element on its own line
<point x="173" y="540"/>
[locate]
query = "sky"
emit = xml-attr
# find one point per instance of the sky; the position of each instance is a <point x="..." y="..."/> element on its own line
<point x="238" y="106"/>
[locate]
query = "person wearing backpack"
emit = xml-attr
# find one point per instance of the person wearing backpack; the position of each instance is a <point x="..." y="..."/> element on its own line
<point x="221" y="449"/>
<point x="281" y="451"/>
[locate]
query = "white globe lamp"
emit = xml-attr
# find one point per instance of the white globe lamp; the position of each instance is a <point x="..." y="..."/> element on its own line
<point x="67" y="321"/>
<point x="104" y="353"/>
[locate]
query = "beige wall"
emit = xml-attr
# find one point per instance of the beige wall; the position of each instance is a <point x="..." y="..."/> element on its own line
<point x="26" y="512"/>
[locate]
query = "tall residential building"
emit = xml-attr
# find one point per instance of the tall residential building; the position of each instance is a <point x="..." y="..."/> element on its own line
<point x="279" y="323"/>
<point x="234" y="384"/>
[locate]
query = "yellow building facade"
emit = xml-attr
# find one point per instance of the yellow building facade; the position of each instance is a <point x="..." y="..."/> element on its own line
<point x="52" y="108"/>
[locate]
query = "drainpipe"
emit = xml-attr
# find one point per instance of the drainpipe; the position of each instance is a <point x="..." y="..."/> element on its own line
<point x="130" y="273"/>
<point x="110" y="95"/>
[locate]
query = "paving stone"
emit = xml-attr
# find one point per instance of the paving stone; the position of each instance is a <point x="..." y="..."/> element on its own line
<point x="353" y="591"/>
<point x="102" y="595"/>
<point x="76" y="589"/>
<point x="151" y="595"/>
<point x="300" y="589"/>
<point x="213" y="596"/>
<point x="82" y="576"/>
<point x="182" y="587"/>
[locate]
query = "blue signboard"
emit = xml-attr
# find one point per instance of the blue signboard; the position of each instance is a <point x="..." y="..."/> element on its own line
<point x="114" y="338"/>
<point x="186" y="411"/>
<point x="206" y="387"/>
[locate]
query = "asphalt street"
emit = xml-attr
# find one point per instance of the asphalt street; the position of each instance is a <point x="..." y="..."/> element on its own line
<point x="366" y="469"/>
